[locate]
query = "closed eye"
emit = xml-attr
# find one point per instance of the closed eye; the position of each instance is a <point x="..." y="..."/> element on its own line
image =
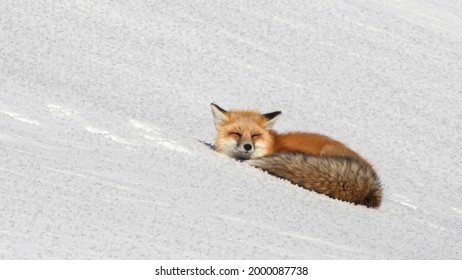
<point x="256" y="135"/>
<point x="235" y="133"/>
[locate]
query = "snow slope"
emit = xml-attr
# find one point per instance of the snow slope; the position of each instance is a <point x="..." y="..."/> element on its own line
<point x="105" y="125"/>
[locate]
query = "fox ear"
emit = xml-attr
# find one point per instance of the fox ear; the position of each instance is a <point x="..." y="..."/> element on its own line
<point x="219" y="114"/>
<point x="271" y="118"/>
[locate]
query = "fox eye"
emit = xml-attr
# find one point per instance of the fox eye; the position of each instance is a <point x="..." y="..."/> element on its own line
<point x="236" y="133"/>
<point x="256" y="135"/>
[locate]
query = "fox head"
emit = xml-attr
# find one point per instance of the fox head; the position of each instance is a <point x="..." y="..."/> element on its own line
<point x="243" y="134"/>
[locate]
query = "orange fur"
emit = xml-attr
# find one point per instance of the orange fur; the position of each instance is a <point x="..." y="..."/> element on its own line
<point x="252" y="123"/>
<point x="310" y="143"/>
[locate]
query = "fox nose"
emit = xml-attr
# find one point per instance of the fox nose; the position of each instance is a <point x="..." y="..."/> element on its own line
<point x="247" y="147"/>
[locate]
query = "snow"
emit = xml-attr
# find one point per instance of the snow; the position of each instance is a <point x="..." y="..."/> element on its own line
<point x="105" y="127"/>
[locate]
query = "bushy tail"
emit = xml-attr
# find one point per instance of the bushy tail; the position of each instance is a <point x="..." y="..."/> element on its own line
<point x="340" y="177"/>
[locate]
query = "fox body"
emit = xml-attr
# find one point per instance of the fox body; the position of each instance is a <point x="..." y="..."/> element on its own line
<point x="313" y="161"/>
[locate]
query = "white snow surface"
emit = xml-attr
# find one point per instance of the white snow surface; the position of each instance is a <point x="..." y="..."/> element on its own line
<point x="105" y="127"/>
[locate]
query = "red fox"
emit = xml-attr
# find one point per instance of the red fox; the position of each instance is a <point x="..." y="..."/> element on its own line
<point x="312" y="161"/>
